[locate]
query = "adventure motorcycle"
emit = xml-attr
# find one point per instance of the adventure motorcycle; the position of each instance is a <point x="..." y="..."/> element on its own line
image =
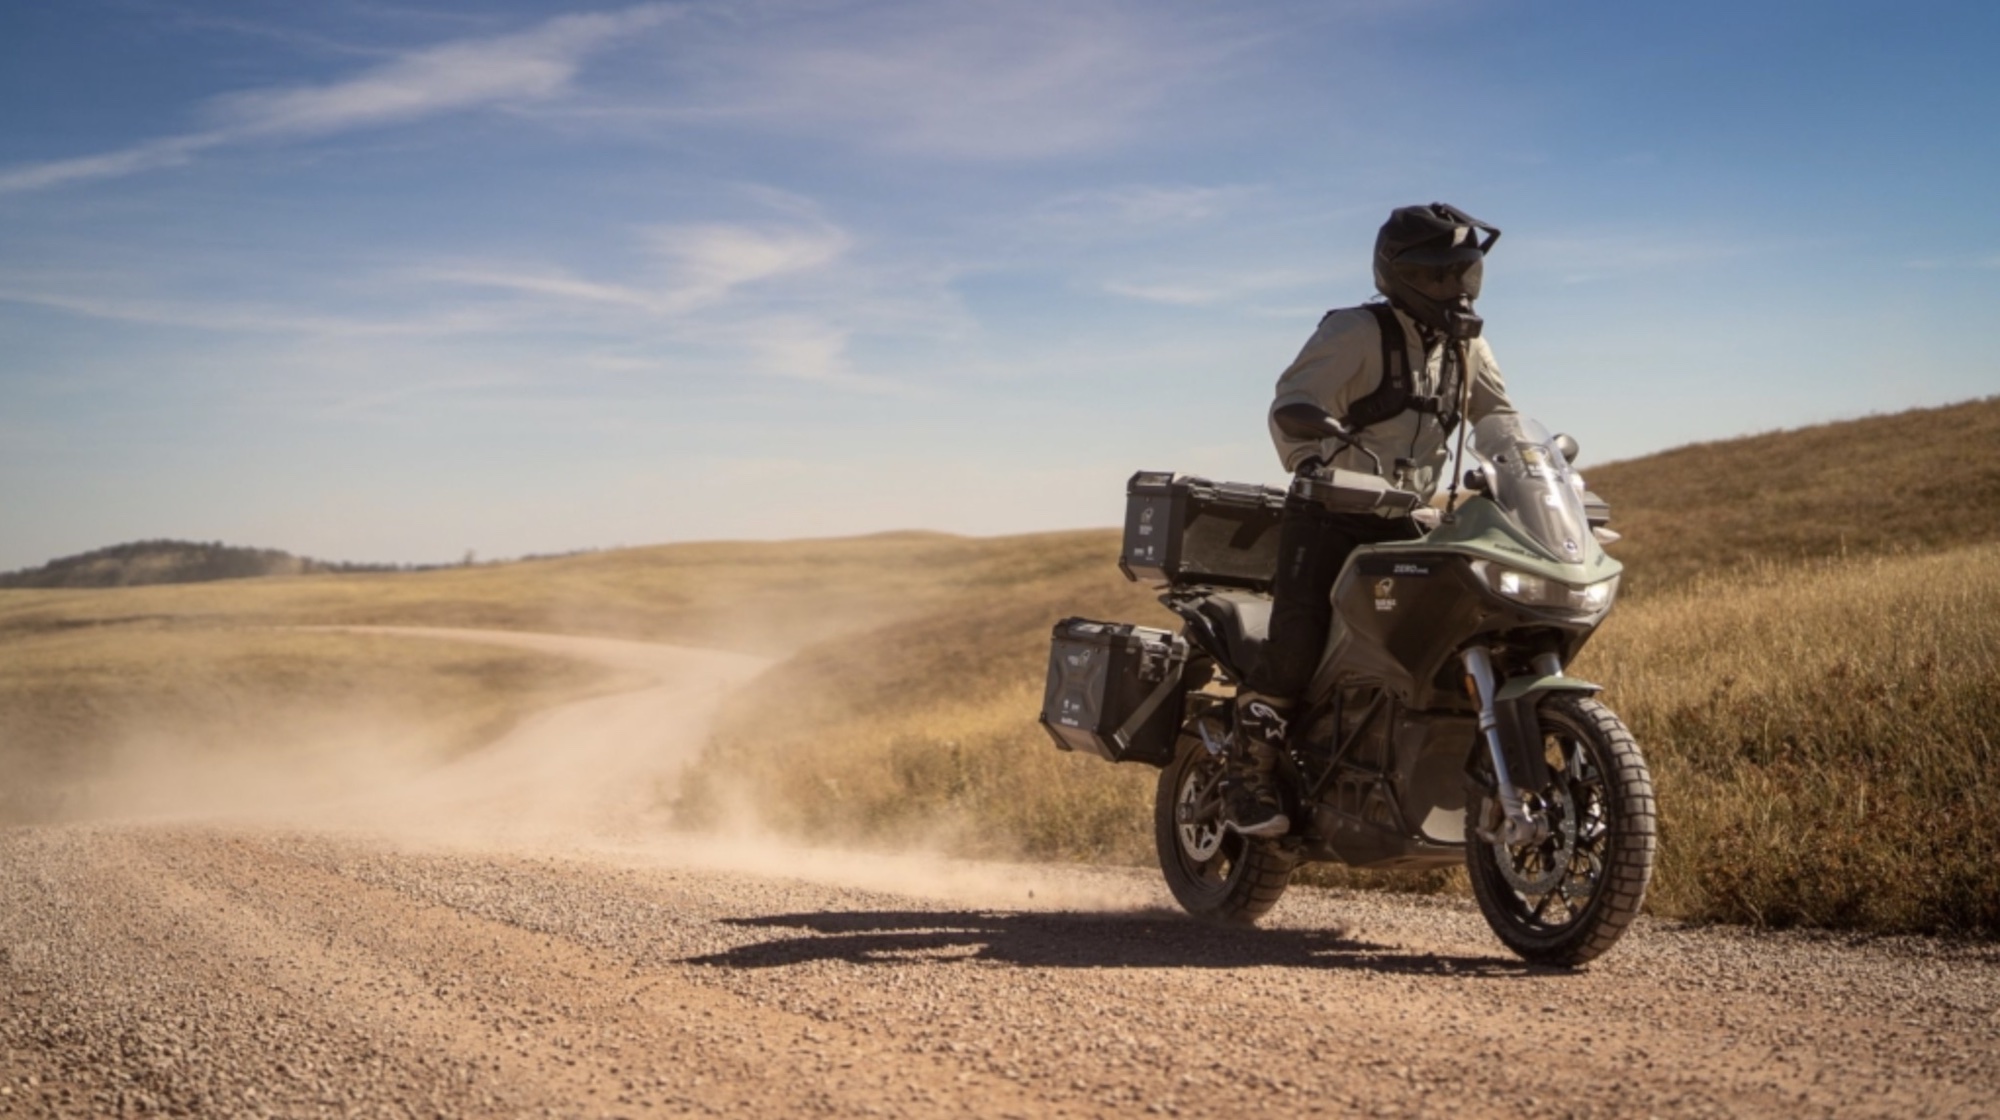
<point x="1440" y="725"/>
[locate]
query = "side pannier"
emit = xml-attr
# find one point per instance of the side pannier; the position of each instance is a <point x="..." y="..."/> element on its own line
<point x="1115" y="690"/>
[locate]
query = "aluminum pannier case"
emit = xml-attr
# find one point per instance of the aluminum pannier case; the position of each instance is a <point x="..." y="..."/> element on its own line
<point x="1115" y="690"/>
<point x="1185" y="530"/>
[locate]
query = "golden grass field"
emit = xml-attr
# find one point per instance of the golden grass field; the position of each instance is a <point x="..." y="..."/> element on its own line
<point x="1805" y="652"/>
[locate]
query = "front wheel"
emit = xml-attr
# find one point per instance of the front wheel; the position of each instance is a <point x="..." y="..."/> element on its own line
<point x="1567" y="898"/>
<point x="1213" y="872"/>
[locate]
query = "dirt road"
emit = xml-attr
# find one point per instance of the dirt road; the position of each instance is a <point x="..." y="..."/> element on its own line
<point x="515" y="943"/>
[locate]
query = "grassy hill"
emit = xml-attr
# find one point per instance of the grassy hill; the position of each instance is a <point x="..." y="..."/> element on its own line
<point x="145" y="562"/>
<point x="1803" y="650"/>
<point x="1912" y="482"/>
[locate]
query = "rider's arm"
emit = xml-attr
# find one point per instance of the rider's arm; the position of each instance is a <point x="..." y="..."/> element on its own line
<point x="1489" y="390"/>
<point x="1337" y="366"/>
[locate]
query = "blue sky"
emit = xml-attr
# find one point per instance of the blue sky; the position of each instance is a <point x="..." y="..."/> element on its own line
<point x="382" y="282"/>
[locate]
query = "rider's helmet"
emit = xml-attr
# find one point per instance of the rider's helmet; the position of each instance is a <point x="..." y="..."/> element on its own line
<point x="1429" y="261"/>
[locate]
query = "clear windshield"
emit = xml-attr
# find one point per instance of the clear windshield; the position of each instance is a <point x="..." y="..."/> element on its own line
<point x="1533" y="483"/>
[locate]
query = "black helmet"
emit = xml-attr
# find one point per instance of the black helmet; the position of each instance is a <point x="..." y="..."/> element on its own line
<point x="1429" y="261"/>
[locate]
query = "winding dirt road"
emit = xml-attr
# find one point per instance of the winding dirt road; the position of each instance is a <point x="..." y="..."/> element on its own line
<point x="515" y="937"/>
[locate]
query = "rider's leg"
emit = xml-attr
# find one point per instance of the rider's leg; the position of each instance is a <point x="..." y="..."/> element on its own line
<point x="1250" y="802"/>
<point x="1313" y="544"/>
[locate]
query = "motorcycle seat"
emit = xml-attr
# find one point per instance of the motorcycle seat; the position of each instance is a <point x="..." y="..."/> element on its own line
<point x="1242" y="620"/>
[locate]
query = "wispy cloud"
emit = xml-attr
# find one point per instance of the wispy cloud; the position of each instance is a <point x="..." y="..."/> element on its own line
<point x="1934" y="264"/>
<point x="453" y="77"/>
<point x="239" y="318"/>
<point x="1141" y="207"/>
<point x="1028" y="80"/>
<point x="710" y="285"/>
<point x="1215" y="289"/>
<point x="693" y="266"/>
<point x="169" y="152"/>
<point x="1589" y="257"/>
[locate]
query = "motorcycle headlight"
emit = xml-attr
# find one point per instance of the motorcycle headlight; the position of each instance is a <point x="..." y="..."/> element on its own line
<point x="1540" y="591"/>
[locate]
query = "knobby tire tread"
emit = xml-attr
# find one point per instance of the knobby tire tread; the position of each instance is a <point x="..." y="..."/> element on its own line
<point x="1249" y="894"/>
<point x="1635" y="843"/>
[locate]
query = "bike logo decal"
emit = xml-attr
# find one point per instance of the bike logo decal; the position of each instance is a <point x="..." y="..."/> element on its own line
<point x="1385" y="590"/>
<point x="1268" y="714"/>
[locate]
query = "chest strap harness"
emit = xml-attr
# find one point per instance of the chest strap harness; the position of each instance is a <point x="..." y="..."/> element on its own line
<point x="1396" y="393"/>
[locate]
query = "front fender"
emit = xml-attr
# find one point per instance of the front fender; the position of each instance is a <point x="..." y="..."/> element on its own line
<point x="1521" y="729"/>
<point x="1518" y="687"/>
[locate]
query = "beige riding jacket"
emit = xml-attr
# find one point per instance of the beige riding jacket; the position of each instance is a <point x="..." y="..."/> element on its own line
<point x="1342" y="363"/>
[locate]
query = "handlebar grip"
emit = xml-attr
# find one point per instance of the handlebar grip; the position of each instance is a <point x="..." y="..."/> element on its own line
<point x="1345" y="491"/>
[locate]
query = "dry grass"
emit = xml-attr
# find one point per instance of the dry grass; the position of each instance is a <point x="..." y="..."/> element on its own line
<point x="1824" y="741"/>
<point x="755" y="597"/>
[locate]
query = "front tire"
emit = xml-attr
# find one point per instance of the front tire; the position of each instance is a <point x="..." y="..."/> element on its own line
<point x="1214" y="873"/>
<point x="1568" y="898"/>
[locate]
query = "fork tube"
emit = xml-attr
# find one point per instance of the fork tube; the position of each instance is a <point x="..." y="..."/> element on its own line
<point x="1479" y="665"/>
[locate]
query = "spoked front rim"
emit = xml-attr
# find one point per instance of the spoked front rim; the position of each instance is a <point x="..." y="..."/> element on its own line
<point x="1552" y="883"/>
<point x="1206" y="849"/>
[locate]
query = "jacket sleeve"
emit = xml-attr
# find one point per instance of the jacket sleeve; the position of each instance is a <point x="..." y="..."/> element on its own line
<point x="1329" y="372"/>
<point x="1489" y="390"/>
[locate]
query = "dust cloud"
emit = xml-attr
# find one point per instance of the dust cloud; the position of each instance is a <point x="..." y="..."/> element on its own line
<point x="594" y="780"/>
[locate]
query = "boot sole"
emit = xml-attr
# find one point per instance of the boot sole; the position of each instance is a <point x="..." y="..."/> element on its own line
<point x="1276" y="826"/>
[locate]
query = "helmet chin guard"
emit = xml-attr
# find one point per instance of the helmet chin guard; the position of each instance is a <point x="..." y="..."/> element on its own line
<point x="1430" y="261"/>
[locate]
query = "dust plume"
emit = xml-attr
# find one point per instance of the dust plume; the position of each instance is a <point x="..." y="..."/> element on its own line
<point x="593" y="779"/>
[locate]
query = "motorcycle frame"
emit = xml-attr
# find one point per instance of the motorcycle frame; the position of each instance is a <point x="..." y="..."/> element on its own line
<point x="1386" y="786"/>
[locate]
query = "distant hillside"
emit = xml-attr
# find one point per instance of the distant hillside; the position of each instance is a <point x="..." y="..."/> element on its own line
<point x="1915" y="481"/>
<point x="146" y="562"/>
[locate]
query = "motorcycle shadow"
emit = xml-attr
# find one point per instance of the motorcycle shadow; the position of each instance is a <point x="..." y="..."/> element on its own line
<point x="1041" y="939"/>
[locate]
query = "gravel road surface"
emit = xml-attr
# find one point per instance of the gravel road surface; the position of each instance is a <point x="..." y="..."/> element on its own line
<point x="434" y="953"/>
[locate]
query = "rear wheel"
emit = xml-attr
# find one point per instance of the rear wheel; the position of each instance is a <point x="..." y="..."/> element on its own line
<point x="1567" y="898"/>
<point x="1213" y="872"/>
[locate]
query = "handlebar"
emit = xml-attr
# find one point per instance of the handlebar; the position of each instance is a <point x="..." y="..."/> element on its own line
<point x="1311" y="422"/>
<point x="1354" y="492"/>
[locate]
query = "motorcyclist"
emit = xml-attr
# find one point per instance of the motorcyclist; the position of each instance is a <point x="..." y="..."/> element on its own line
<point x="1387" y="379"/>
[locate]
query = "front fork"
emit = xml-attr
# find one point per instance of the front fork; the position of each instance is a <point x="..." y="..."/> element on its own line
<point x="1517" y="827"/>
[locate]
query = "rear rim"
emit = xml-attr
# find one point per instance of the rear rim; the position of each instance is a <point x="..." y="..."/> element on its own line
<point x="1208" y="853"/>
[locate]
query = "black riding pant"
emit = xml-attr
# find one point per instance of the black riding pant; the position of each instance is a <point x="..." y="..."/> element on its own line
<point x="1313" y="543"/>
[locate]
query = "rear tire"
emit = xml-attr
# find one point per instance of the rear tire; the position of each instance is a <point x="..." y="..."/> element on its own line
<point x="1568" y="899"/>
<point x="1214" y="873"/>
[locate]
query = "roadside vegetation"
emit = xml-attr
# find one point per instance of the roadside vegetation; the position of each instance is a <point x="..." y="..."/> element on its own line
<point x="1804" y="649"/>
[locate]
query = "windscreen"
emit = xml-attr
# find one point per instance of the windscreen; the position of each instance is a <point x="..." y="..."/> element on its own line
<point x="1533" y="483"/>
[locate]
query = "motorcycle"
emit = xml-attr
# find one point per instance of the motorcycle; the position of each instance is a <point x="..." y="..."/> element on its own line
<point x="1441" y="725"/>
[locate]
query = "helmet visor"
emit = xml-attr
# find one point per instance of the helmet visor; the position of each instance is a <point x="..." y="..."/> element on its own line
<point x="1443" y="274"/>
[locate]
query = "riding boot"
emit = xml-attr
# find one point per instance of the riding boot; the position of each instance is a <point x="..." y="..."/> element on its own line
<point x="1250" y="802"/>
